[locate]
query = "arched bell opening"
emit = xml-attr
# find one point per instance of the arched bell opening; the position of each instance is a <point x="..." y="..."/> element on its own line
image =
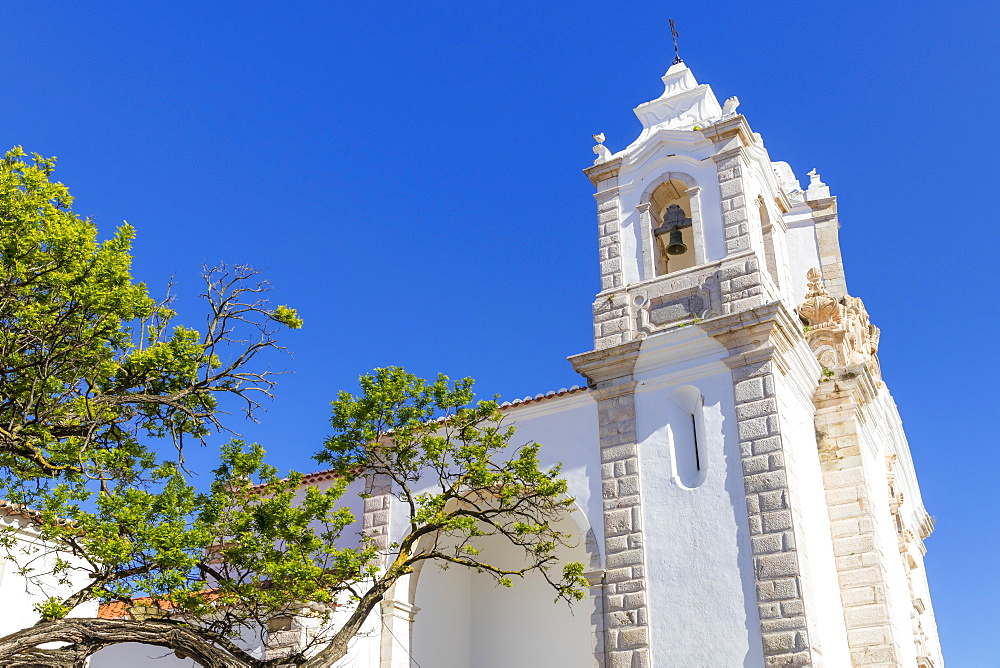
<point x="670" y="210"/>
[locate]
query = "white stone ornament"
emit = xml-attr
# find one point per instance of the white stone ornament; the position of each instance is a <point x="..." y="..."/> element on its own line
<point x="817" y="189"/>
<point x="684" y="104"/>
<point x="729" y="107"/>
<point x="603" y="154"/>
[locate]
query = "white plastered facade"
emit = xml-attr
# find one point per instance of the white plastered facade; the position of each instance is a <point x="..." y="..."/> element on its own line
<point x="744" y="493"/>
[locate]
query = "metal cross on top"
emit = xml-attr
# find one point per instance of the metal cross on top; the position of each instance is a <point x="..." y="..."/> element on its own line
<point x="673" y="33"/>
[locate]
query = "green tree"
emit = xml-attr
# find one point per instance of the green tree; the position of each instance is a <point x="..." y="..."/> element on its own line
<point x="88" y="361"/>
<point x="93" y="379"/>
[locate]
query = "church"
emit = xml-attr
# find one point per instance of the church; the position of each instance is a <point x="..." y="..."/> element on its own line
<point x="744" y="492"/>
<point x="745" y="495"/>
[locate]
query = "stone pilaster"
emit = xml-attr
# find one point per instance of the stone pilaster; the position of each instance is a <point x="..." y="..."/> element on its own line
<point x="626" y="613"/>
<point x="860" y="556"/>
<point x="397" y="626"/>
<point x="827" y="225"/>
<point x="377" y="511"/>
<point x="757" y="340"/>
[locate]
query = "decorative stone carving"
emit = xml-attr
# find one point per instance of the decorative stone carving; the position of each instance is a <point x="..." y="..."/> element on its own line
<point x="839" y="332"/>
<point x="684" y="104"/>
<point x="688" y="296"/>
<point x="603" y="154"/>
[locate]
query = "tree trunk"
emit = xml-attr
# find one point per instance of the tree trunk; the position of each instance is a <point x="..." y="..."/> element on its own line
<point x="86" y="636"/>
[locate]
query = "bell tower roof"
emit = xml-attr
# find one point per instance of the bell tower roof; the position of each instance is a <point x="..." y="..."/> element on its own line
<point x="684" y="103"/>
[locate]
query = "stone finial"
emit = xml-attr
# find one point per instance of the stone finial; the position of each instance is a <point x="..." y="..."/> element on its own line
<point x="817" y="189"/>
<point x="839" y="332"/>
<point x="603" y="154"/>
<point x="819" y="309"/>
<point x="729" y="107"/>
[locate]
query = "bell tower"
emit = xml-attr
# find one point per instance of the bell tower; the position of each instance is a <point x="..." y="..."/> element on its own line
<point x="727" y="435"/>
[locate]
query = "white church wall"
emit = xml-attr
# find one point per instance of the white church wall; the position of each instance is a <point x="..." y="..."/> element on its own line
<point x="697" y="542"/>
<point x="566" y="427"/>
<point x="812" y="523"/>
<point x="18" y="596"/>
<point x="803" y="252"/>
<point x="442" y="629"/>
<point x="465" y="619"/>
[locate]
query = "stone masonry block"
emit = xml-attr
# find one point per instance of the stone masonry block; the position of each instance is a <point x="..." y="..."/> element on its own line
<point x="786" y="589"/>
<point x="769" y="610"/>
<point x="732" y="162"/>
<point x="617" y="522"/>
<point x="846" y="510"/>
<point x="617" y="452"/>
<point x="763" y="482"/>
<point x="621" y="659"/>
<point x="611" y="266"/>
<point x="866" y="615"/>
<point x="624" y="412"/>
<point x="843" y="478"/>
<point x="858" y="596"/>
<point x="782" y="624"/>
<point x="731" y="188"/>
<point x="618" y="575"/>
<point x="766" y="544"/>
<point x="847" y="494"/>
<point x="845" y="527"/>
<point x="734" y="217"/>
<point x="853" y="545"/>
<point x="878" y="655"/>
<point x="633" y="637"/>
<point x="777" y="565"/>
<point x="737" y="245"/>
<point x="627" y="558"/>
<point x="755" y="409"/>
<point x="635" y="600"/>
<point x="775" y="500"/>
<point x="753" y="429"/>
<point x="874" y="636"/>
<point x="748" y="390"/>
<point x="746" y="282"/>
<point x="792" y="608"/>
<point x="777" y="461"/>
<point x="791" y="660"/>
<point x="779" y="642"/>
<point x="753" y="465"/>
<point x="616" y="543"/>
<point x="861" y="577"/>
<point x="628" y="485"/>
<point x="765" y="591"/>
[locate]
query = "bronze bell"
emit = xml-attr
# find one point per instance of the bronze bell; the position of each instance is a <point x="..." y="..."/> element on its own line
<point x="676" y="245"/>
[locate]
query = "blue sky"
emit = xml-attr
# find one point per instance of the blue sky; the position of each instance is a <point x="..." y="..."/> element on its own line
<point x="409" y="177"/>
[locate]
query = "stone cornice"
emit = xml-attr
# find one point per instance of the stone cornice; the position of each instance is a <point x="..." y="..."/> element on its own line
<point x="604" y="171"/>
<point x="823" y="209"/>
<point x="768" y="333"/>
<point x="754" y="334"/>
<point x="734" y="127"/>
<point x="602" y="368"/>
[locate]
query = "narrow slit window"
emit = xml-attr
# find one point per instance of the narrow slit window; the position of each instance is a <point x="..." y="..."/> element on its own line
<point x="694" y="435"/>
